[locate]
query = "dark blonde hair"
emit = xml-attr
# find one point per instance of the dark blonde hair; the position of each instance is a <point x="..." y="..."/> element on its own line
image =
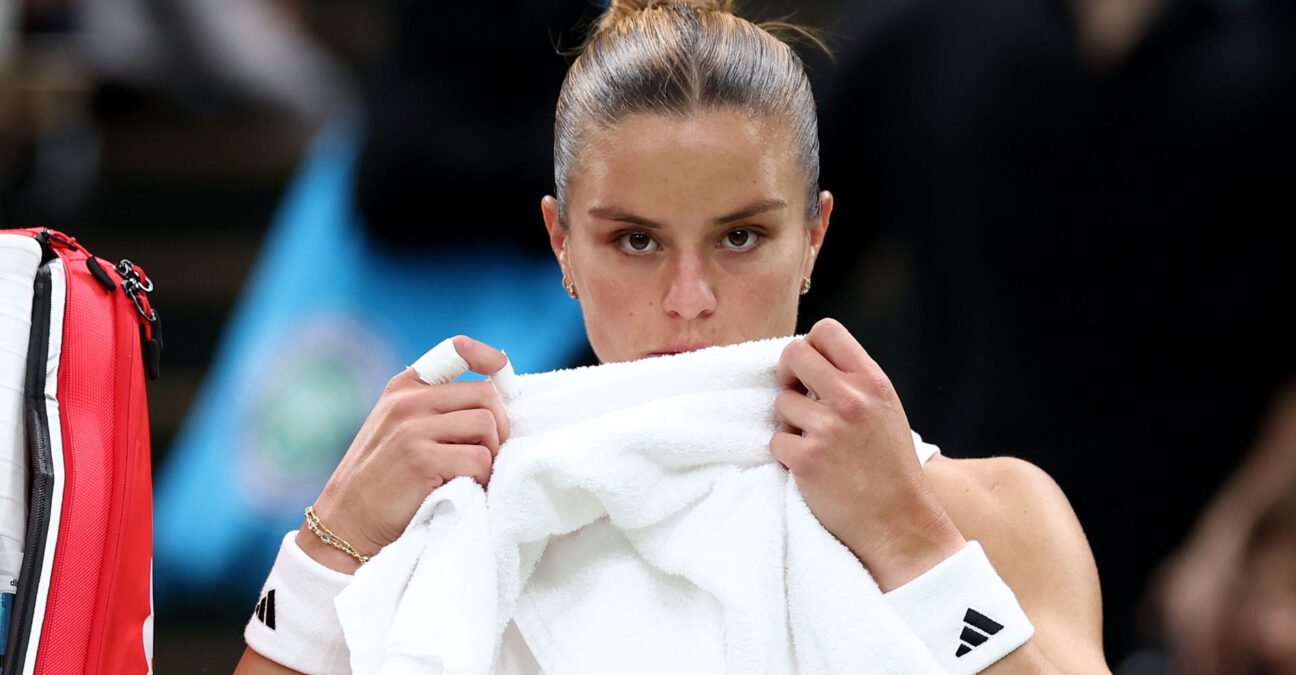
<point x="678" y="58"/>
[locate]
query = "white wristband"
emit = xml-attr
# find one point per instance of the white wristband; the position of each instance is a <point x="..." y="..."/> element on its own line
<point x="294" y="623"/>
<point x="965" y="614"/>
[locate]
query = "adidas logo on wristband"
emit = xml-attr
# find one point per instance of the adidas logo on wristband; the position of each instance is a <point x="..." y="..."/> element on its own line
<point x="933" y="602"/>
<point x="295" y="623"/>
<point x="265" y="609"/>
<point x="977" y="628"/>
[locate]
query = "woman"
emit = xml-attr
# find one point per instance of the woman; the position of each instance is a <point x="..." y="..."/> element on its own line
<point x="687" y="214"/>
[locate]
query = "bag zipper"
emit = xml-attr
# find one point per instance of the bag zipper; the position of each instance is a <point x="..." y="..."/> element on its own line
<point x="135" y="283"/>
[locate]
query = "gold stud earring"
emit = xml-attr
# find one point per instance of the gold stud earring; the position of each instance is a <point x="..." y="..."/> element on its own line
<point x="805" y="285"/>
<point x="570" y="287"/>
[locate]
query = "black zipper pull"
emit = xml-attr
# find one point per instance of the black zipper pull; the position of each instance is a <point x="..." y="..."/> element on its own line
<point x="153" y="345"/>
<point x="155" y="331"/>
<point x="152" y="356"/>
<point x="97" y="271"/>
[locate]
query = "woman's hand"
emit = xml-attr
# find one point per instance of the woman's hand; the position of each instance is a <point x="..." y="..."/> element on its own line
<point x="416" y="438"/>
<point x="849" y="446"/>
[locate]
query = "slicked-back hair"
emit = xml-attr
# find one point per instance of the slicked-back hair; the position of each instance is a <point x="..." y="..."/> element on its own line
<point x="679" y="59"/>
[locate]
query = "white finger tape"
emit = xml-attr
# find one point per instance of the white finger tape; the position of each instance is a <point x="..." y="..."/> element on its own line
<point x="506" y="382"/>
<point x="441" y="364"/>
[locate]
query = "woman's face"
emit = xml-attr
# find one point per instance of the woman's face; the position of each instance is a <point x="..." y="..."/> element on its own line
<point x="686" y="233"/>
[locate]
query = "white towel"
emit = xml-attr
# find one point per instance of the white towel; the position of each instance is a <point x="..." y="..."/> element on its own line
<point x="635" y="522"/>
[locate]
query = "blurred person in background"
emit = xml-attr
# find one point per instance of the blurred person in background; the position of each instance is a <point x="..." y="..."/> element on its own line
<point x="1227" y="599"/>
<point x="1262" y="621"/>
<point x="1092" y="200"/>
<point x="68" y="66"/>
<point x="212" y="54"/>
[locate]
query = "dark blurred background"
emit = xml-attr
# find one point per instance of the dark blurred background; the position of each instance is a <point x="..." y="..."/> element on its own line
<point x="1063" y="228"/>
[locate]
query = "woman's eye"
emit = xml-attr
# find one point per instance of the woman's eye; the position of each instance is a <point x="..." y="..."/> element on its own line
<point x="740" y="239"/>
<point x="638" y="242"/>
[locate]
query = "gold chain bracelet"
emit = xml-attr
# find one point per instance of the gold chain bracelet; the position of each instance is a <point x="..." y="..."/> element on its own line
<point x="326" y="535"/>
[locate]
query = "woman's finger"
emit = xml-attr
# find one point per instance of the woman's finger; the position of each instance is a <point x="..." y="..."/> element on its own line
<point x="796" y="411"/>
<point x="456" y="459"/>
<point x="405" y="379"/>
<point x="482" y="358"/>
<point x="466" y="396"/>
<point x="801" y="366"/>
<point x="787" y="449"/>
<point x="838" y="346"/>
<point x="453" y="357"/>
<point x="472" y="427"/>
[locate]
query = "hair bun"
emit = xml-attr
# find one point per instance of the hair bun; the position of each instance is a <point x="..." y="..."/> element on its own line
<point x="620" y="10"/>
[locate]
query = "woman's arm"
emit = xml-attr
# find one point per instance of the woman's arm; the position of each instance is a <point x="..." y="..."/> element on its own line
<point x="1028" y="530"/>
<point x="847" y="442"/>
<point x="253" y="663"/>
<point x="417" y="437"/>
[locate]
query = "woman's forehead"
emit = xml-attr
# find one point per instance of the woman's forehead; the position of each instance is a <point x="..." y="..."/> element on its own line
<point x="712" y="156"/>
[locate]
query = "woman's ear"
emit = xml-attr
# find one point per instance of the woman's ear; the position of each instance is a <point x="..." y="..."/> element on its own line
<point x="557" y="233"/>
<point x="818" y="229"/>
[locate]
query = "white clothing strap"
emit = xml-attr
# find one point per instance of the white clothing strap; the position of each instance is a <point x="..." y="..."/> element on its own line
<point x="965" y="614"/>
<point x="924" y="449"/>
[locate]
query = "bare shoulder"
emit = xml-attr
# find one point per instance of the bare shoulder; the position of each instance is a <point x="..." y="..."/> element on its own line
<point x="987" y="496"/>
<point x="1018" y="513"/>
<point x="1032" y="536"/>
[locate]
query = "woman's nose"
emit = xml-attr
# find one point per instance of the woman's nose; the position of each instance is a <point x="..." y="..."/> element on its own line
<point x="690" y="295"/>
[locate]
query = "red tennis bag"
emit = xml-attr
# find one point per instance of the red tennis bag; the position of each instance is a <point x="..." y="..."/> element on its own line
<point x="83" y="600"/>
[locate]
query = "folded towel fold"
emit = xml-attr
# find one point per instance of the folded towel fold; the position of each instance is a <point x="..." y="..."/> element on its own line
<point x="635" y="522"/>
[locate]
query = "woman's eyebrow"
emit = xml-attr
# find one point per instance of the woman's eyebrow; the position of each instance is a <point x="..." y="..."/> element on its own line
<point x="751" y="210"/>
<point x="619" y="215"/>
<point x="613" y="213"/>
